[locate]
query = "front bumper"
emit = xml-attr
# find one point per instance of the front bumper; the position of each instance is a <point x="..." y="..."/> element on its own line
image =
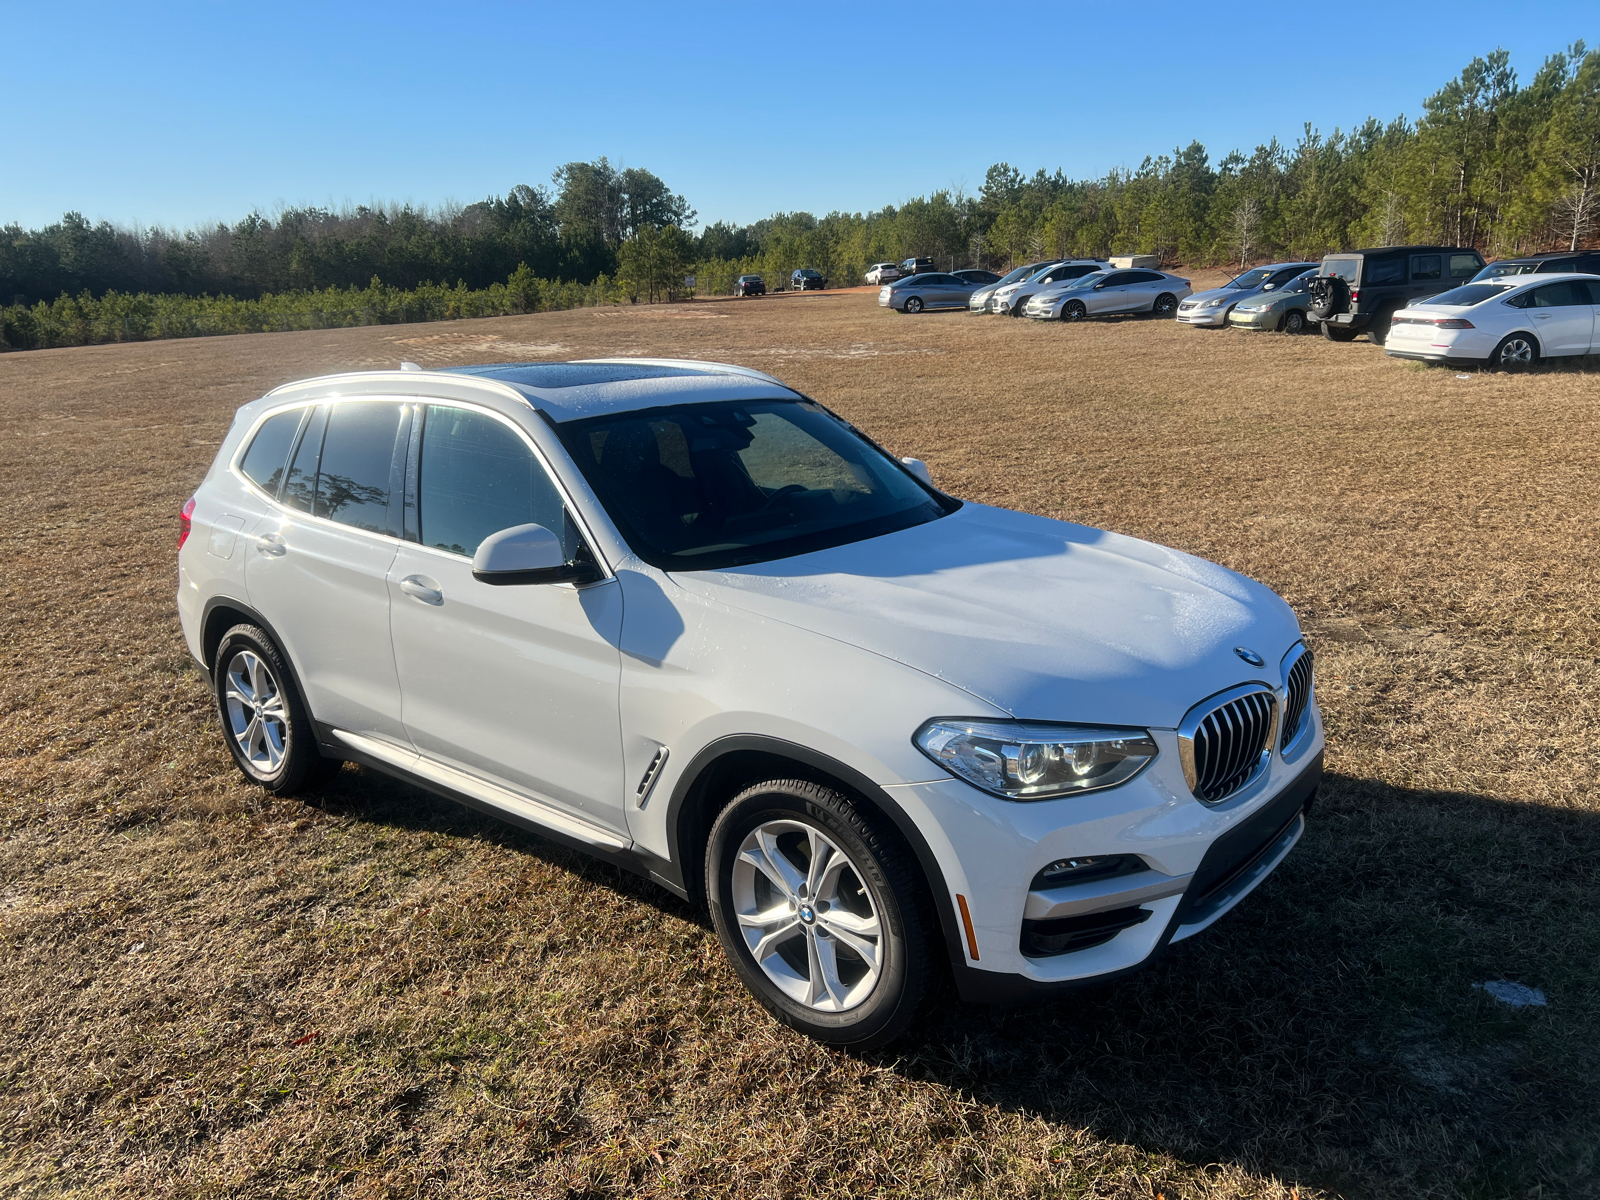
<point x="1266" y="318"/>
<point x="1200" y="862"/>
<point x="1203" y="316"/>
<point x="1047" y="310"/>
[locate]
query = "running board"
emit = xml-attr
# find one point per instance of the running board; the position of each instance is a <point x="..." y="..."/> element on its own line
<point x="492" y="794"/>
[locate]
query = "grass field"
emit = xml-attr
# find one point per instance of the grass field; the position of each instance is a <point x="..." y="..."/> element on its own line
<point x="206" y="992"/>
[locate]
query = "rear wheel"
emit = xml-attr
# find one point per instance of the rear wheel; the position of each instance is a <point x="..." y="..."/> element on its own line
<point x="1378" y="331"/>
<point x="914" y="304"/>
<point x="1073" y="310"/>
<point x="1166" y="304"/>
<point x="264" y="721"/>
<point x="1516" y="352"/>
<point x="1338" y="333"/>
<point x="1294" y="321"/>
<point x="819" y="914"/>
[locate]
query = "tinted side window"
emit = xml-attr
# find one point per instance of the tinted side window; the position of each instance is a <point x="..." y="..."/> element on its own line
<point x="1282" y="277"/>
<point x="1427" y="266"/>
<point x="1560" y="295"/>
<point x="1464" y="266"/>
<point x="477" y="477"/>
<point x="1384" y="270"/>
<point x="1118" y="278"/>
<point x="1551" y="265"/>
<point x="263" y="463"/>
<point x="1145" y="277"/>
<point x="301" y="483"/>
<point x="358" y="456"/>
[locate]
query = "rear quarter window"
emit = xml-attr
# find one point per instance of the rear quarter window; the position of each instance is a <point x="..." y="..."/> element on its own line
<point x="1384" y="270"/>
<point x="264" y="461"/>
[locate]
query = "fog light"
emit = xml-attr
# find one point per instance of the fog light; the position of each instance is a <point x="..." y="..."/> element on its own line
<point x="1065" y="871"/>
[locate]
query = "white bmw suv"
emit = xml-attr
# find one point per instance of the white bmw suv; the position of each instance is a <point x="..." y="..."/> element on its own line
<point x="683" y="617"/>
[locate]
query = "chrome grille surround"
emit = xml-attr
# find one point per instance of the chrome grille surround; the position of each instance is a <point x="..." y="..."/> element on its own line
<point x="1297" y="681"/>
<point x="1226" y="740"/>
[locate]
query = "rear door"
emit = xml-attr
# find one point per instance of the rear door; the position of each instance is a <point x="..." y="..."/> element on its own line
<point x="317" y="568"/>
<point x="1562" y="314"/>
<point x="1145" y="288"/>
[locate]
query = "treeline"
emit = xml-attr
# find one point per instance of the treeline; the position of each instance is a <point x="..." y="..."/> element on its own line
<point x="1492" y="162"/>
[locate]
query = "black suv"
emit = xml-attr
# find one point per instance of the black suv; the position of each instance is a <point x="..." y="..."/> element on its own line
<point x="1362" y="289"/>
<point x="1587" y="261"/>
<point x="807" y="280"/>
<point x="749" y="285"/>
<point x="917" y="266"/>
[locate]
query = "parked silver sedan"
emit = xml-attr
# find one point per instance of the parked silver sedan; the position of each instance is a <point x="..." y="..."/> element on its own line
<point x="1212" y="306"/>
<point x="931" y="289"/>
<point x="1106" y="292"/>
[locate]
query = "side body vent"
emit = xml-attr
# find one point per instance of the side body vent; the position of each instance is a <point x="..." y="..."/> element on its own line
<point x="1227" y="740"/>
<point x="651" y="774"/>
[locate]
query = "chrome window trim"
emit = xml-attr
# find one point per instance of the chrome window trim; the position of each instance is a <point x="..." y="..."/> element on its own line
<point x="282" y="510"/>
<point x="1191" y="723"/>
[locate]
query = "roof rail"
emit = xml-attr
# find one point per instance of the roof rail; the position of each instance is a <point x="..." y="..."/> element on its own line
<point x="711" y="368"/>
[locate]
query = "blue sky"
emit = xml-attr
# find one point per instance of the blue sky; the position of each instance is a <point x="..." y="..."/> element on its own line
<point x="181" y="113"/>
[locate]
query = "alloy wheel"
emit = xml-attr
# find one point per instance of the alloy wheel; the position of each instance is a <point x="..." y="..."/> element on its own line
<point x="1074" y="310"/>
<point x="257" y="718"/>
<point x="806" y="916"/>
<point x="1515" y="352"/>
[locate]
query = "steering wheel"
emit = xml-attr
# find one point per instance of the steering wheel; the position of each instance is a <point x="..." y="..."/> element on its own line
<point x="787" y="490"/>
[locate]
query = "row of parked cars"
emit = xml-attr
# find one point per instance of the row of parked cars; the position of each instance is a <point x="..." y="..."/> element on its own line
<point x="1433" y="303"/>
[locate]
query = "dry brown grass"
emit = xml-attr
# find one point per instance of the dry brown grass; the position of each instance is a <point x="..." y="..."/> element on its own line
<point x="204" y="991"/>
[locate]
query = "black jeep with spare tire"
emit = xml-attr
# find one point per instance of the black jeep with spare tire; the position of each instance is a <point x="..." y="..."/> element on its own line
<point x="1360" y="290"/>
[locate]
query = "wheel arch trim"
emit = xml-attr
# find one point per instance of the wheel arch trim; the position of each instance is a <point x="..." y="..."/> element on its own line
<point x="210" y="640"/>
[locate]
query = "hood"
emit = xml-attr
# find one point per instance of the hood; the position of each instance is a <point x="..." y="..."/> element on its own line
<point x="1228" y="292"/>
<point x="1043" y="619"/>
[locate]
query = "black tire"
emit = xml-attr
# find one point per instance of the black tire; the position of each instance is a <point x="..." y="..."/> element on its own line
<point x="1338" y="333"/>
<point x="1166" y="305"/>
<point x="1074" y="310"/>
<point x="1294" y="321"/>
<point x="1378" y="331"/>
<point x="879" y="878"/>
<point x="914" y="304"/>
<point x="288" y="757"/>
<point x="1516" y="352"/>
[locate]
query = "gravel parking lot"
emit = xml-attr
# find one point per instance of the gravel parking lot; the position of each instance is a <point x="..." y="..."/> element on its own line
<point x="204" y="991"/>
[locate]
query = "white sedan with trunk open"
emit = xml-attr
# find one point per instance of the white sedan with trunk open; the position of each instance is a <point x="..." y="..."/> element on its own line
<point x="684" y="618"/>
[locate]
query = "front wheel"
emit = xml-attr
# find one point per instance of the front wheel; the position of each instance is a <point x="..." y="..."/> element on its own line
<point x="1165" y="306"/>
<point x="1294" y="321"/>
<point x="914" y="304"/>
<point x="1516" y="352"/>
<point x="819" y="913"/>
<point x="1073" y="310"/>
<point x="1338" y="333"/>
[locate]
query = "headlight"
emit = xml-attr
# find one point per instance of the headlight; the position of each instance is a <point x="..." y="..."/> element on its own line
<point x="1217" y="303"/>
<point x="1035" y="762"/>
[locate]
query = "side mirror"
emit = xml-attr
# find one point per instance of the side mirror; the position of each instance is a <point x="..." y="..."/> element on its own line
<point x="1099" y="285"/>
<point x="524" y="554"/>
<point x="918" y="468"/>
<point x="1267" y="287"/>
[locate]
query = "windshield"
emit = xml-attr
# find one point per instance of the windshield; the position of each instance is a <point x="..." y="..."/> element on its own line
<point x="1468" y="295"/>
<point x="1252" y="279"/>
<point x="1043" y="270"/>
<point x="1017" y="275"/>
<point x="1502" y="270"/>
<point x="709" y="486"/>
<point x="1347" y="269"/>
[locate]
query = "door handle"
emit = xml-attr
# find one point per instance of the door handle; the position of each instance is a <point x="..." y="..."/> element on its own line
<point x="1541" y="316"/>
<point x="421" y="589"/>
<point x="271" y="544"/>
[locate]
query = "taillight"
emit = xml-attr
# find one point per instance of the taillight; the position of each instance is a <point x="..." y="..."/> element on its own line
<point x="1355" y="294"/>
<point x="185" y="520"/>
<point x="1454" y="323"/>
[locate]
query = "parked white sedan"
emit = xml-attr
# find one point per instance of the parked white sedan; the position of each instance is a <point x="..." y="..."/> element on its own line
<point x="1502" y="323"/>
<point x="1106" y="292"/>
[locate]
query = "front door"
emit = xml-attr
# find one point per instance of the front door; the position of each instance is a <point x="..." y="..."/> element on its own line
<point x="317" y="567"/>
<point x="1112" y="296"/>
<point x="514" y="684"/>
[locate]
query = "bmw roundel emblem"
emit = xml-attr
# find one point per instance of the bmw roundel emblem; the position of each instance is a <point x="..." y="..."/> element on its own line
<point x="1250" y="656"/>
<point x="807" y="914"/>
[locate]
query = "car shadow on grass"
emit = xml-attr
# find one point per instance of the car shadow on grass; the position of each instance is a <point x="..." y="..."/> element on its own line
<point x="1328" y="1031"/>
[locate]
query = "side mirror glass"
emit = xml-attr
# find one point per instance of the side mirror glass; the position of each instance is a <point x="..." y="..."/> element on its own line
<point x="918" y="468"/>
<point x="1267" y="287"/>
<point x="521" y="554"/>
<point x="1098" y="286"/>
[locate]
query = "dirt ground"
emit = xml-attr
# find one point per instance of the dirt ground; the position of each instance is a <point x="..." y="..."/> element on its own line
<point x="207" y="992"/>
